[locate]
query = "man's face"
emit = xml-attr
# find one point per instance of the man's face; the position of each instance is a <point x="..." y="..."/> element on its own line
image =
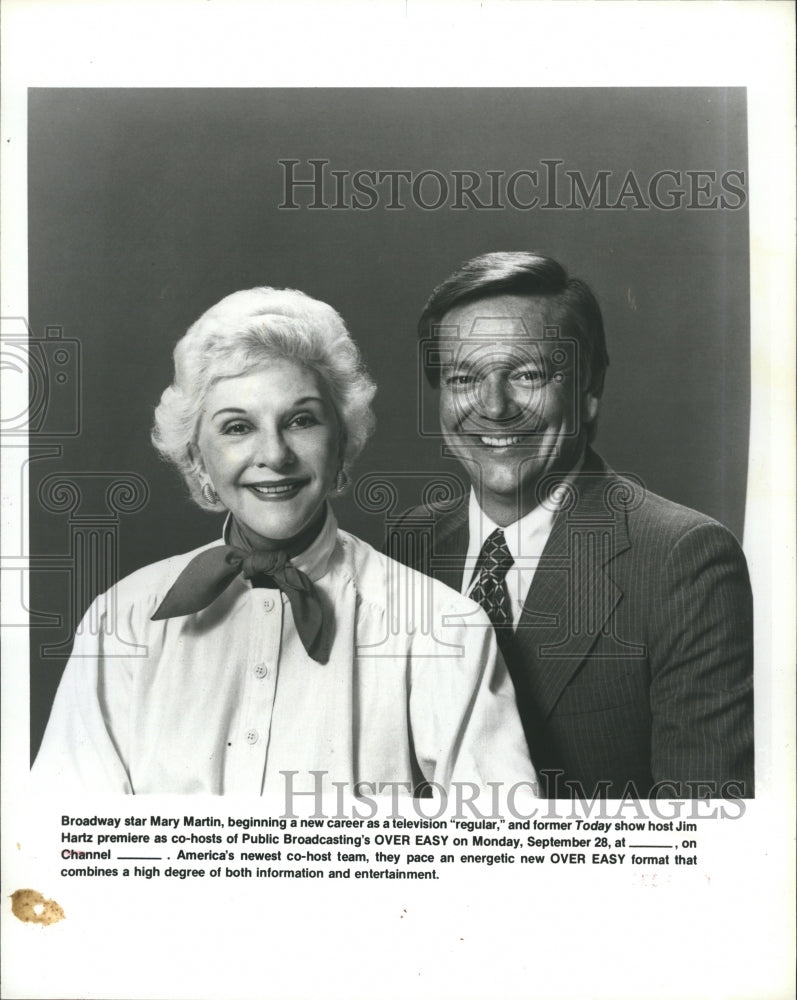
<point x="511" y="405"/>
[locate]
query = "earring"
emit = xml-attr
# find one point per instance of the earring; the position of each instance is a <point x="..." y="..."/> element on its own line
<point x="341" y="480"/>
<point x="210" y="495"/>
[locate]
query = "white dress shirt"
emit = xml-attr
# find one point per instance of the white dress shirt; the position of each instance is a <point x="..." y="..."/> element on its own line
<point x="526" y="539"/>
<point x="224" y="700"/>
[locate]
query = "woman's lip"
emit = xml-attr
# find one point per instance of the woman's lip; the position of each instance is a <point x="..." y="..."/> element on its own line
<point x="276" y="491"/>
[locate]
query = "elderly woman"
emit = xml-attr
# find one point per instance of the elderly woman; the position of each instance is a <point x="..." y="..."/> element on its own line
<point x="272" y="659"/>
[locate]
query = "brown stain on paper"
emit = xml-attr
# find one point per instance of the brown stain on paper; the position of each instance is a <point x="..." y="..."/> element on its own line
<point x="31" y="907"/>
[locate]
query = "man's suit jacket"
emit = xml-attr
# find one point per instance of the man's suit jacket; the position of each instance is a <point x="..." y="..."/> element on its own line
<point x="632" y="660"/>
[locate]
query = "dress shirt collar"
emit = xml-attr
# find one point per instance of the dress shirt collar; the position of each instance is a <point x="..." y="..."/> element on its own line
<point x="314" y="561"/>
<point x="526" y="537"/>
<point x="522" y="537"/>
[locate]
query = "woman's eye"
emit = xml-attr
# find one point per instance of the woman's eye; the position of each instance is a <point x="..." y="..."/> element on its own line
<point x="303" y="420"/>
<point x="236" y="427"/>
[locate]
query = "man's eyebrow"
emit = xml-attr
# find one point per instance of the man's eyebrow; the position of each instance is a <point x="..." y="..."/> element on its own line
<point x="458" y="362"/>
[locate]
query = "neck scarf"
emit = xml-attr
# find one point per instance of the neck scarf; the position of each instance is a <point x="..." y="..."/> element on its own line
<point x="209" y="574"/>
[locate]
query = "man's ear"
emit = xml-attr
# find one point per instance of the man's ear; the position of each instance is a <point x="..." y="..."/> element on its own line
<point x="590" y="404"/>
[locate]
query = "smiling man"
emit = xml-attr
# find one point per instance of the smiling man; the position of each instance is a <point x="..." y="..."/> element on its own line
<point x="625" y="619"/>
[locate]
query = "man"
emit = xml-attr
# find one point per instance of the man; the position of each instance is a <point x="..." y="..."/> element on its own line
<point x="625" y="619"/>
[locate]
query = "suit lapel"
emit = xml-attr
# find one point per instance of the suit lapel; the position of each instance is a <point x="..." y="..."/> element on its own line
<point x="572" y="595"/>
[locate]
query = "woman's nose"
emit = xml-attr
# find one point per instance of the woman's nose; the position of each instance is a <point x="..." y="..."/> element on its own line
<point x="272" y="450"/>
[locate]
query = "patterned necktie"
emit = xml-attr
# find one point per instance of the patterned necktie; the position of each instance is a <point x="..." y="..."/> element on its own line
<point x="490" y="591"/>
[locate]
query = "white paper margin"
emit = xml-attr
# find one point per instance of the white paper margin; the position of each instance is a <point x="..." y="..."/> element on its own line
<point x="573" y="937"/>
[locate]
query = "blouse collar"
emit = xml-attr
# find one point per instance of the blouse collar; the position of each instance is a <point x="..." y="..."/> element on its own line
<point x="314" y="561"/>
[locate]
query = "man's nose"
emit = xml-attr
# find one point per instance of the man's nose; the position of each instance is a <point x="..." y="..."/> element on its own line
<point x="272" y="450"/>
<point x="495" y="399"/>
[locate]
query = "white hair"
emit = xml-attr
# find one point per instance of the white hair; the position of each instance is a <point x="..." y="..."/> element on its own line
<point x="244" y="331"/>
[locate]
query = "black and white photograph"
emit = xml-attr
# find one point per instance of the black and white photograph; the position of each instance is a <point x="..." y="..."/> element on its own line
<point x="631" y="661"/>
<point x="392" y="476"/>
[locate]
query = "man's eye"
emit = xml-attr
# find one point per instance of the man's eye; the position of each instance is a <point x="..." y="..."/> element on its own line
<point x="458" y="379"/>
<point x="530" y="376"/>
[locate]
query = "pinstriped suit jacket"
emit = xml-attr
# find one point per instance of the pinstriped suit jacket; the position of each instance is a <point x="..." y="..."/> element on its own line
<point x="632" y="660"/>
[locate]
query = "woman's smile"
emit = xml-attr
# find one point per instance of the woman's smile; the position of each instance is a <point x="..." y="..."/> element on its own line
<point x="269" y="443"/>
<point x="284" y="490"/>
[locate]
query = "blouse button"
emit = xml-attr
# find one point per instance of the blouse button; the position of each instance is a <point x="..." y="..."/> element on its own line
<point x="251" y="736"/>
<point x="261" y="670"/>
<point x="268" y="604"/>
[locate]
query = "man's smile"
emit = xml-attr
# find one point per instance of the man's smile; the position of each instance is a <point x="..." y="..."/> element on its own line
<point x="478" y="439"/>
<point x="500" y="442"/>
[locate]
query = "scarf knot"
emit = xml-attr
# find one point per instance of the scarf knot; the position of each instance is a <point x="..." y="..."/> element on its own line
<point x="209" y="574"/>
<point x="259" y="562"/>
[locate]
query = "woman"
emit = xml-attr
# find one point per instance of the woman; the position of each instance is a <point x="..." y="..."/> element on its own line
<point x="271" y="660"/>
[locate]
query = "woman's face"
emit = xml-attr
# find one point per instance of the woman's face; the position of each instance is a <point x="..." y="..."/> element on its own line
<point x="269" y="442"/>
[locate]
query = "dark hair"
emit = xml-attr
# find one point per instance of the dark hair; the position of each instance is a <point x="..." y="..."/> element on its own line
<point x="522" y="273"/>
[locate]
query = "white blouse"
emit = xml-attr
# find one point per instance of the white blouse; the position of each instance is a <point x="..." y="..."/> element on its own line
<point x="226" y="700"/>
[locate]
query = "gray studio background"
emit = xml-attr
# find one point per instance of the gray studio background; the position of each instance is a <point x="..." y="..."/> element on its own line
<point x="147" y="206"/>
